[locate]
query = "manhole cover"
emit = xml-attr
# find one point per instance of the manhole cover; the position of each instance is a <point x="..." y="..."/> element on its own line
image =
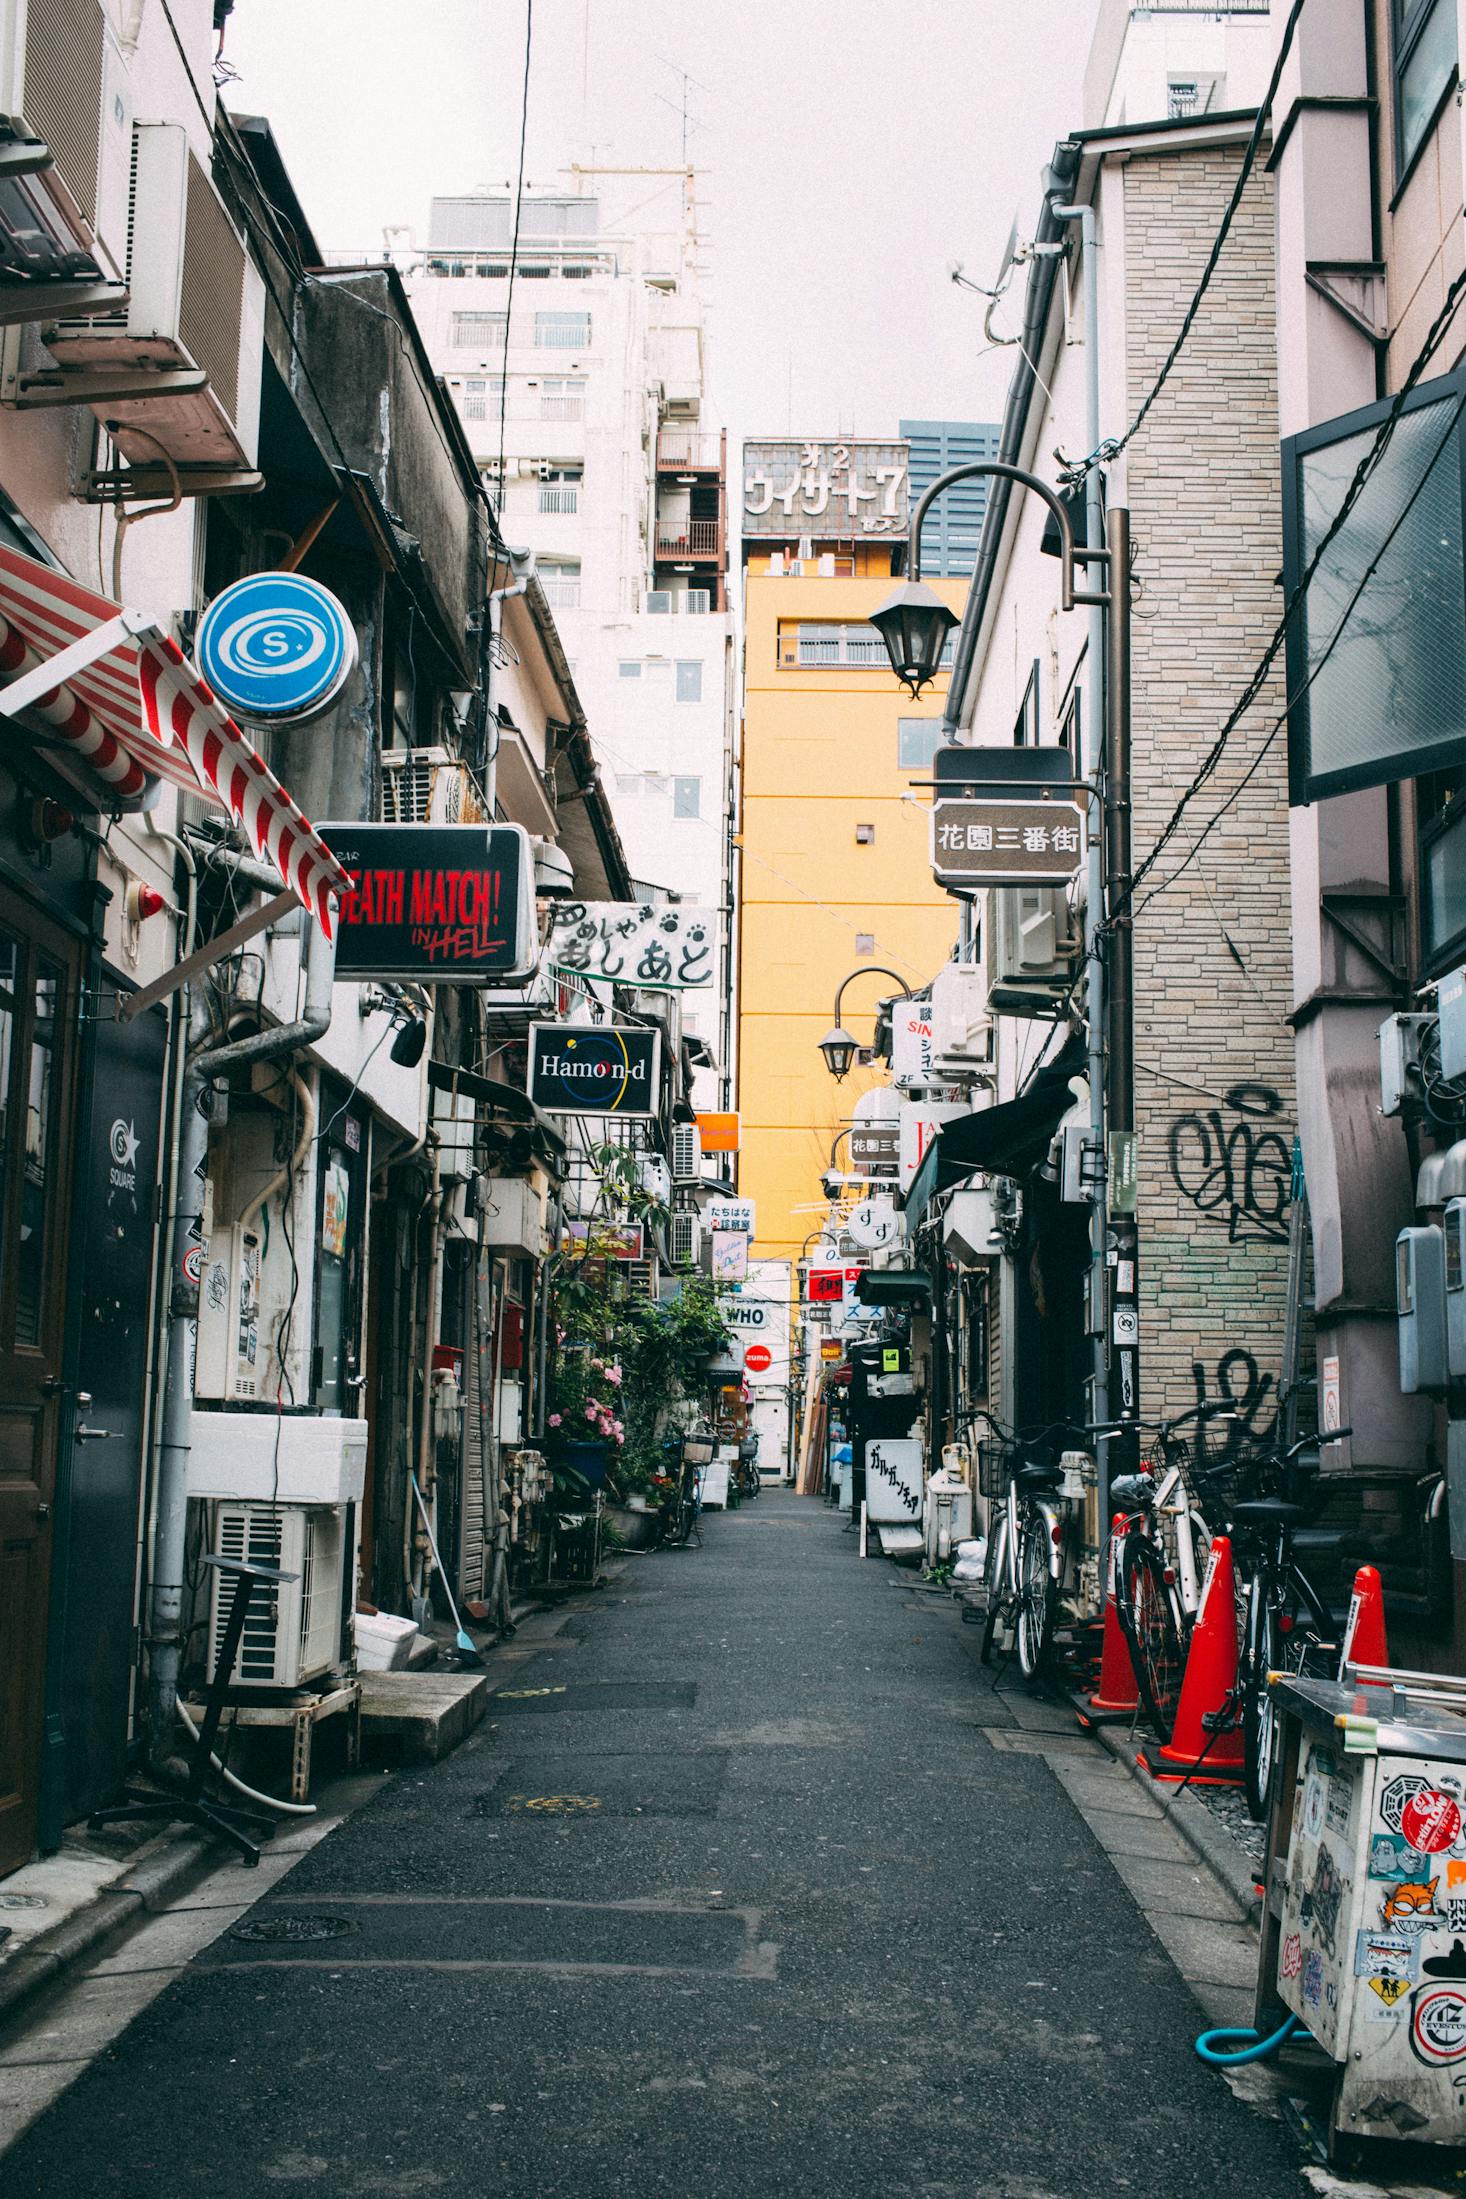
<point x="23" y="1901"/>
<point x="291" y="1930"/>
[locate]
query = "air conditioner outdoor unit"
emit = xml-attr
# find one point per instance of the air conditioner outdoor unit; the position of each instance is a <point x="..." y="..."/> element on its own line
<point x="698" y="600"/>
<point x="276" y="1458"/>
<point x="686" y="1240"/>
<point x="195" y="305"/>
<point x="428" y="786"/>
<point x="659" y="599"/>
<point x="293" y="1632"/>
<point x="686" y="1153"/>
<point x="962" y="1031"/>
<point x="642" y="1276"/>
<point x="1032" y="950"/>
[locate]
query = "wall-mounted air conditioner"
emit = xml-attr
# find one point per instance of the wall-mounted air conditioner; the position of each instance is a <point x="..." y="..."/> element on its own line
<point x="684" y="1239"/>
<point x="181" y="361"/>
<point x="513" y="1215"/>
<point x="1033" y="945"/>
<point x="293" y="1632"/>
<point x="428" y="786"/>
<point x="686" y="1153"/>
<point x="453" y="1120"/>
<point x="276" y="1458"/>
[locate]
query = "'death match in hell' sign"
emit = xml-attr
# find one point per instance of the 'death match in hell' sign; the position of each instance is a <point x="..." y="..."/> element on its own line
<point x="436" y="903"/>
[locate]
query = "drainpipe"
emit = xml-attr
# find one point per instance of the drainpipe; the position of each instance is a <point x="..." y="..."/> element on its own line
<point x="165" y="1598"/>
<point x="1089" y="768"/>
<point x="521" y="564"/>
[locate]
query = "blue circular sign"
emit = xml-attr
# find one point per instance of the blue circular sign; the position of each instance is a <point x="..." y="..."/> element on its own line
<point x="276" y="646"/>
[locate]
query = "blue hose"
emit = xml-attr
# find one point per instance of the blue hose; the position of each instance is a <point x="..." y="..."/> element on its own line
<point x="1211" y="2050"/>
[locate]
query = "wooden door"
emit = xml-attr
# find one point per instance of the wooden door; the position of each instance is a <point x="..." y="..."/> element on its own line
<point x="40" y="970"/>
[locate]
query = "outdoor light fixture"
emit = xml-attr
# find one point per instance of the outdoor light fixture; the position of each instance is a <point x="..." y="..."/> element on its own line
<point x="914" y="624"/>
<point x="406" y="1048"/>
<point x="840" y="1046"/>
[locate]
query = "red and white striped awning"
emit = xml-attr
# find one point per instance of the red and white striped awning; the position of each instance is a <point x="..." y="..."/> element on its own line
<point x="115" y="687"/>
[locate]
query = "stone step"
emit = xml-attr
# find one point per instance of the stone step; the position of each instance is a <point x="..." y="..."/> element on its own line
<point x="428" y="1712"/>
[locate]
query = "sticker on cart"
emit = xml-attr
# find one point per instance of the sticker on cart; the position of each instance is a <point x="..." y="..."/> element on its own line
<point x="1314" y="1798"/>
<point x="1340" y="1805"/>
<point x="1391" y="1856"/>
<point x="1400" y="1791"/>
<point x="1386" y="1955"/>
<point x="1438" y="2013"/>
<point x="1388" y="1992"/>
<point x="1410" y="1907"/>
<point x="1431" y="1821"/>
<point x="1292" y="1956"/>
<point x="1313" y="1979"/>
<point x="1322" y="1902"/>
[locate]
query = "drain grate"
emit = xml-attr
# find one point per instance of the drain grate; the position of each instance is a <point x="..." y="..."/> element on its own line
<point x="293" y="1930"/>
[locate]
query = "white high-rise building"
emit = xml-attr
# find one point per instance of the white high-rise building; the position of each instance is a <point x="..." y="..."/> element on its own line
<point x="577" y="366"/>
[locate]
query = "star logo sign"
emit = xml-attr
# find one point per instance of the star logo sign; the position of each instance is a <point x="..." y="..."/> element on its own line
<point x="124" y="1142"/>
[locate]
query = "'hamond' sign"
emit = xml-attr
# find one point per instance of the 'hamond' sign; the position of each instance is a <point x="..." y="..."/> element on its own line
<point x="593" y="1068"/>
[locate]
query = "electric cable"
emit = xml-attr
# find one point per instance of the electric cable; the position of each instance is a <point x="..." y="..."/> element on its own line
<point x="514" y="242"/>
<point x="1363" y="473"/>
<point x="1110" y="450"/>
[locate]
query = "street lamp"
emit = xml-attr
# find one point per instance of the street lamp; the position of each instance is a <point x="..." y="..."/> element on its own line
<point x="914" y="622"/>
<point x="839" y="1046"/>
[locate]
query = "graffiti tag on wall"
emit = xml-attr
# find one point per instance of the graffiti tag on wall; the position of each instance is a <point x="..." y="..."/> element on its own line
<point x="1233" y="1168"/>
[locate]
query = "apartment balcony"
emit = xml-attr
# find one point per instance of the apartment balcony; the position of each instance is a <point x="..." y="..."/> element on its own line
<point x="686" y="450"/>
<point x="698" y="539"/>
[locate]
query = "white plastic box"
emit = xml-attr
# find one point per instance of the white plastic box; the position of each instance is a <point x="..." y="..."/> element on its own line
<point x="382" y="1641"/>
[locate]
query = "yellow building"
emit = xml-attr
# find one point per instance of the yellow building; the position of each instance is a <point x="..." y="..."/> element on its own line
<point x="836" y="869"/>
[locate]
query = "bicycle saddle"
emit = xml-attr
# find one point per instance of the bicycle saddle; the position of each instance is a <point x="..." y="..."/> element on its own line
<point x="1032" y="1479"/>
<point x="1268" y="1512"/>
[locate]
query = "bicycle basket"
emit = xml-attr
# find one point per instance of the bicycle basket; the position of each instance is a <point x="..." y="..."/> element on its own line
<point x="996" y="1465"/>
<point x="1220" y="1468"/>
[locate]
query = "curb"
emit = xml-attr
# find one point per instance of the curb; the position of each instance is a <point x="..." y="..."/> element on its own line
<point x="1210" y="1842"/>
<point x="160" y="1873"/>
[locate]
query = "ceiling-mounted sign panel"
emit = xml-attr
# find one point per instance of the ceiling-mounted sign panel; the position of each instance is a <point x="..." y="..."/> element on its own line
<point x="594" y="1068"/>
<point x="832" y="491"/>
<point x="635" y="942"/>
<point x="436" y="904"/>
<point x="1003" y="843"/>
<point x="276" y="647"/>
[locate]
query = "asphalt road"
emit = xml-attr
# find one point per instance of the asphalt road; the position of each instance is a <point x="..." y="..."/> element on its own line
<point x="744" y="1904"/>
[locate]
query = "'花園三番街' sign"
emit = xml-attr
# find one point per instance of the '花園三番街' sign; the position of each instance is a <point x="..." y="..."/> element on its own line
<point x="276" y="647"/>
<point x="436" y="904"/>
<point x="593" y="1068"/>
<point x="1005" y="843"/>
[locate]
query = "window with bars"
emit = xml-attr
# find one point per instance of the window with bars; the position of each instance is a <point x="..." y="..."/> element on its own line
<point x="562" y="331"/>
<point x="560" y="579"/>
<point x="686" y="797"/>
<point x="478" y="331"/>
<point x="560" y="488"/>
<point x="482" y="396"/>
<point x="562" y="398"/>
<point x="689" y="679"/>
<point x="1424" y="56"/>
<point x="805" y="645"/>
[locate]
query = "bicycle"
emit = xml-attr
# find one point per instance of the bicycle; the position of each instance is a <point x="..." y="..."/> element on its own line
<point x="1157" y="1596"/>
<point x="681" y="1511"/>
<point x="1287" y="1620"/>
<point x="1027" y="1539"/>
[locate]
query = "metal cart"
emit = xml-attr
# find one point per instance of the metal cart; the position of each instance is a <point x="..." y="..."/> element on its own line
<point x="1364" y="1922"/>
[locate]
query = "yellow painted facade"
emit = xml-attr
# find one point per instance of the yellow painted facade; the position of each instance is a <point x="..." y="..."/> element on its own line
<point x="820" y="759"/>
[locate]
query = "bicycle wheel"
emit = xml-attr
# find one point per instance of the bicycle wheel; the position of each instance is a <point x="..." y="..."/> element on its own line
<point x="1150" y="1620"/>
<point x="997" y="1566"/>
<point x="1261" y="1654"/>
<point x="1038" y="1596"/>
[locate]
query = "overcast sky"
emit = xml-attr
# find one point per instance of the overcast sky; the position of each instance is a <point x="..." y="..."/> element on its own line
<point x="849" y="151"/>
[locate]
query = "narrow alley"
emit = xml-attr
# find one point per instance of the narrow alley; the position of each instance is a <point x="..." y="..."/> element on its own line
<point x="749" y="1883"/>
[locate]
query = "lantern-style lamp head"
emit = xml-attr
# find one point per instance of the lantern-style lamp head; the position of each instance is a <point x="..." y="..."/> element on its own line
<point x="914" y="624"/>
<point x="839" y="1048"/>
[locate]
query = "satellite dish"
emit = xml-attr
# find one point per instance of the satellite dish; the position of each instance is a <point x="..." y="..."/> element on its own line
<point x="1009" y="250"/>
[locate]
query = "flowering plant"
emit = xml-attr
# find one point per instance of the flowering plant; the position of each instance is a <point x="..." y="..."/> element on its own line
<point x="583" y="1396"/>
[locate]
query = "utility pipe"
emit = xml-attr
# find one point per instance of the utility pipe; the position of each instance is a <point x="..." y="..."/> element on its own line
<point x="1089" y="767"/>
<point x="165" y="1596"/>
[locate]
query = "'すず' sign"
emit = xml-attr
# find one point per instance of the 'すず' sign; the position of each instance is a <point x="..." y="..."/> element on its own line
<point x="276" y="646"/>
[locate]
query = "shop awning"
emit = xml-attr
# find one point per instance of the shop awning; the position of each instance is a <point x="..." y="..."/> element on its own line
<point x="1008" y="1140"/>
<point x="116" y="693"/>
<point x="888" y="1286"/>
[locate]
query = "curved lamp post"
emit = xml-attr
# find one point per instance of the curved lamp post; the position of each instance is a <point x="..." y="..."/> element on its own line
<point x="914" y="623"/>
<point x="840" y="1046"/>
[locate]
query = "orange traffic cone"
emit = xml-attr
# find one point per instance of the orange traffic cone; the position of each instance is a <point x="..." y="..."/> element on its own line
<point x="1364" y="1633"/>
<point x="1116" y="1695"/>
<point x="1199" y="1752"/>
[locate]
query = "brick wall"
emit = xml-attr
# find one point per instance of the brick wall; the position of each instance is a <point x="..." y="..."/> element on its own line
<point x="1214" y="1078"/>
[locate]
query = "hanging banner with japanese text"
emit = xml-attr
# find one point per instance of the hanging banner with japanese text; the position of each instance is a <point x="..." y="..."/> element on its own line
<point x="635" y="942"/>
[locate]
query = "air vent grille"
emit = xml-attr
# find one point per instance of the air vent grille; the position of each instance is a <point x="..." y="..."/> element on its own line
<point x="62" y="94"/>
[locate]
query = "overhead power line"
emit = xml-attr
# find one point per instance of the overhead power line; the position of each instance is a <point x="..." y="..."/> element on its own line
<point x="1111" y="449"/>
<point x="514" y="244"/>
